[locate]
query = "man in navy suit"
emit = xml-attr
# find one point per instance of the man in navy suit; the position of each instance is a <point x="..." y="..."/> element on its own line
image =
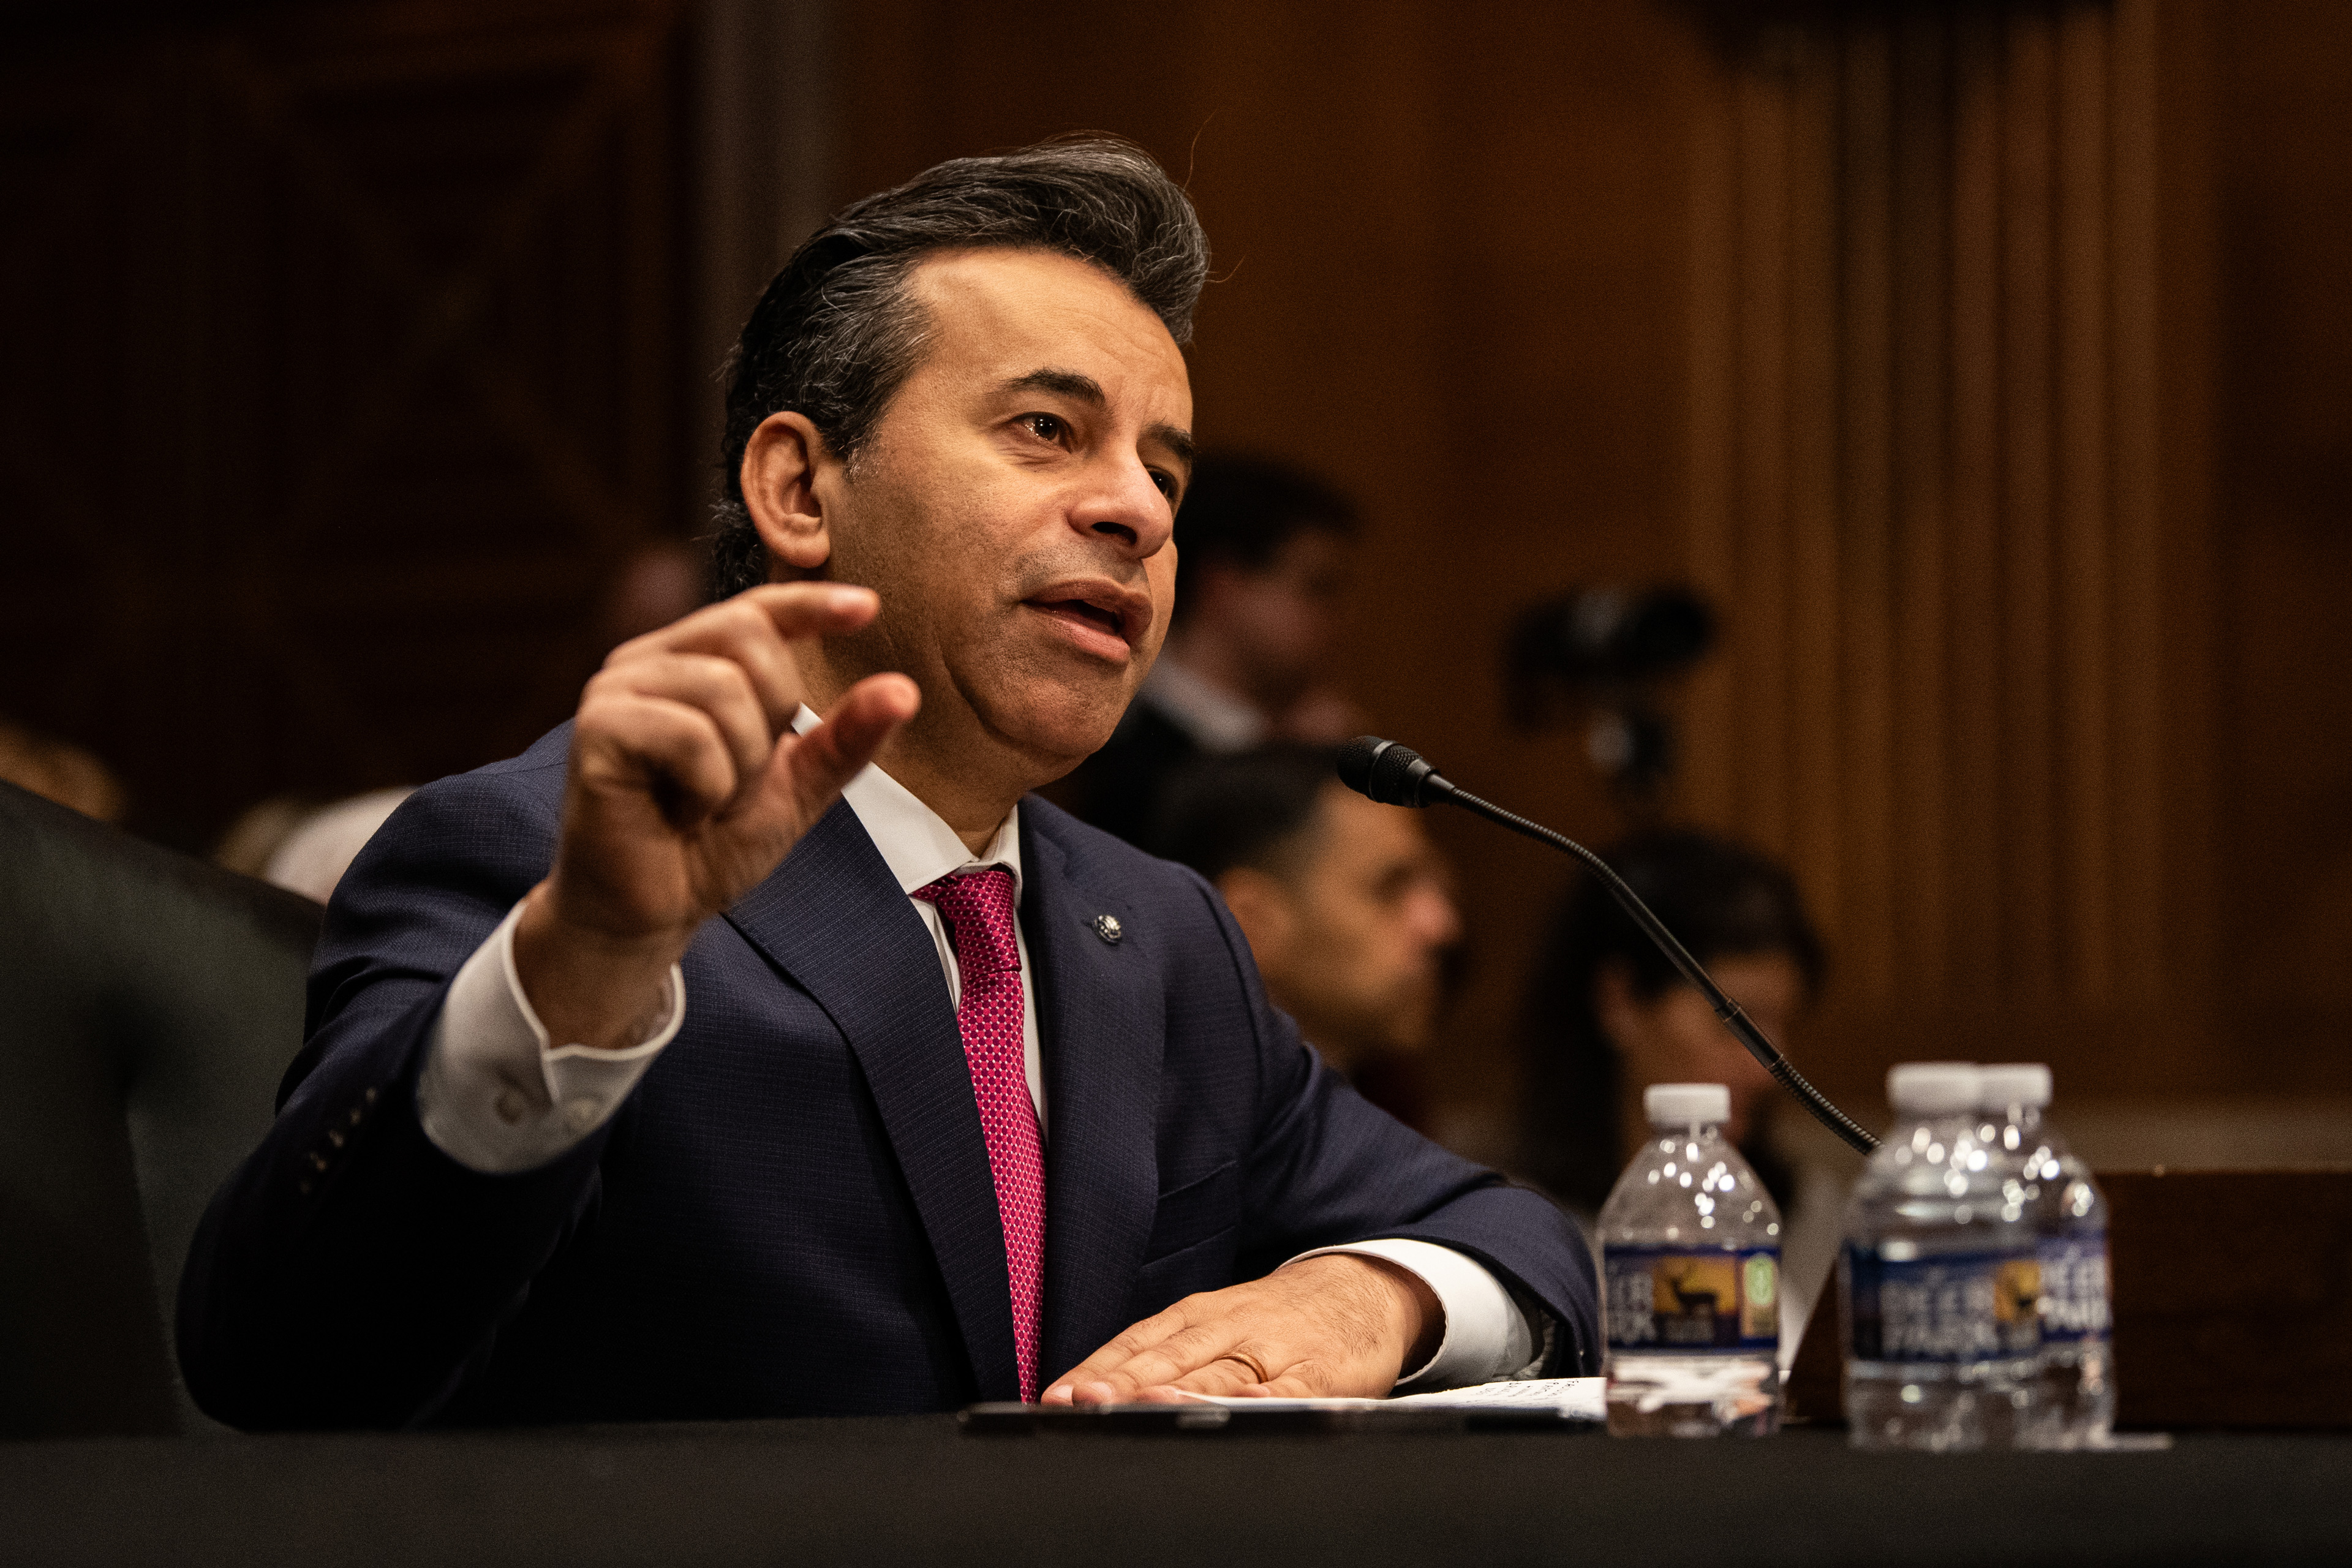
<point x="756" y="1044"/>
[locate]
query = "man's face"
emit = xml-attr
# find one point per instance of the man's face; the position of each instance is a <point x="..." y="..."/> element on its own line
<point x="1013" y="506"/>
<point x="1360" y="967"/>
<point x="1676" y="1037"/>
<point x="1277" y="621"/>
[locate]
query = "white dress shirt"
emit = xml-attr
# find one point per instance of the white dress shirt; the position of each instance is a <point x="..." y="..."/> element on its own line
<point x="496" y="1094"/>
<point x="1216" y="719"/>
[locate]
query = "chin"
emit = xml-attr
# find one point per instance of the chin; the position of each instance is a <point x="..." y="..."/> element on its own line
<point x="1062" y="723"/>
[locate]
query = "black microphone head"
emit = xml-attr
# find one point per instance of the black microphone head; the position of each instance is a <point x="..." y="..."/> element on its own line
<point x="1390" y="774"/>
<point x="1356" y="759"/>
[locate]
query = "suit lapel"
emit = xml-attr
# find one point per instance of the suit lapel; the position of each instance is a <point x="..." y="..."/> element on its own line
<point x="833" y="918"/>
<point x="1101" y="1025"/>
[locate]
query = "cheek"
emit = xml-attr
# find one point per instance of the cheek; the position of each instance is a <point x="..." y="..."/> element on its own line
<point x="1693" y="1047"/>
<point x="1285" y="627"/>
<point x="1707" y="1050"/>
<point x="1159" y="578"/>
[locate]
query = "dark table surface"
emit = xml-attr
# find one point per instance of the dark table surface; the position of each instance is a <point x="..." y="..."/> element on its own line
<point x="918" y="1491"/>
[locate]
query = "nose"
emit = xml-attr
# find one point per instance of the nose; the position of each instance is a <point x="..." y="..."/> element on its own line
<point x="1126" y="507"/>
<point x="1436" y="918"/>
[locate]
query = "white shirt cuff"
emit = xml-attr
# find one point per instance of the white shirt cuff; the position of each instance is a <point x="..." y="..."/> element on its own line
<point x="1486" y="1338"/>
<point x="493" y="1095"/>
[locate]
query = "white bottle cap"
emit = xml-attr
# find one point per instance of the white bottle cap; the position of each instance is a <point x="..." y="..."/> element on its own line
<point x="1681" y="1104"/>
<point x="1933" y="1089"/>
<point x="2005" y="1084"/>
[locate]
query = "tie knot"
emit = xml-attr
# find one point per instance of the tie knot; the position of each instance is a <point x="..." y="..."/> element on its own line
<point x="978" y="908"/>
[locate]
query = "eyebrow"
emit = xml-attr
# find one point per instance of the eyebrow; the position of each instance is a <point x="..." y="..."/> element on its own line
<point x="1086" y="389"/>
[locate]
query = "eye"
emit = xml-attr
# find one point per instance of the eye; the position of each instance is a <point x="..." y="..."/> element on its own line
<point x="1166" y="483"/>
<point x="1044" y="426"/>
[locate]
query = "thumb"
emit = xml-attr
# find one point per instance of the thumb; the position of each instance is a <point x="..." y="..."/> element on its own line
<point x="816" y="765"/>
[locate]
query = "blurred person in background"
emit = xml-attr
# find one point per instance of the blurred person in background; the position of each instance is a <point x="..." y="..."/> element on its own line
<point x="303" y="847"/>
<point x="247" y="843"/>
<point x="1344" y="902"/>
<point x="59" y="770"/>
<point x="1264" y="551"/>
<point x="1607" y="1017"/>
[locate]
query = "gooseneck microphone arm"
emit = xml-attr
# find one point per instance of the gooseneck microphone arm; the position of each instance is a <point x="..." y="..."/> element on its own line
<point x="1397" y="775"/>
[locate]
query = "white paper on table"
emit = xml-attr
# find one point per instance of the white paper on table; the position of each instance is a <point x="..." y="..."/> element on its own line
<point x="1576" y="1398"/>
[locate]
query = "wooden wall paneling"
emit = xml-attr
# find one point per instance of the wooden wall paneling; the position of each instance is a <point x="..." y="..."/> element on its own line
<point x="1928" y="765"/>
<point x="2142" y="853"/>
<point x="1872" y="957"/>
<point x="2088" y="650"/>
<point x="481" y="217"/>
<point x="2280" y="421"/>
<point x="1760" y="593"/>
<point x="766" y="127"/>
<point x="2026" y="961"/>
<point x="404" y="389"/>
<point x="1924" y="246"/>
<point x="95" y="329"/>
<point x="1974" y="616"/>
<point x="765" y="123"/>
<point x="1711" y="758"/>
<point x="64" y="134"/>
<point x="2179" y="211"/>
<point x="1822" y="760"/>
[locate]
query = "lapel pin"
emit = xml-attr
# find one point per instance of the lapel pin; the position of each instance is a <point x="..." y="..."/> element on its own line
<point x="1107" y="928"/>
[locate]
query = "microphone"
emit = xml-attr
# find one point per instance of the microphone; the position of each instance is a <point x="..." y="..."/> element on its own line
<point x="1399" y="775"/>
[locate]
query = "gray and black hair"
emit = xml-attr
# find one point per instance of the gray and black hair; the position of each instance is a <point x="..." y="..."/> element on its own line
<point x="837" y="333"/>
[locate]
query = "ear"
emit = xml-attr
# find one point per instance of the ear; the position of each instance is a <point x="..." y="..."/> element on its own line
<point x="1263" y="908"/>
<point x="784" y="464"/>
<point x="1621" y="1015"/>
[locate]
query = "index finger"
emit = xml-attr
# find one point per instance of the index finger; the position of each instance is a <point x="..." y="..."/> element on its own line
<point x="753" y="631"/>
<point x="788" y="610"/>
<point x="814" y="609"/>
<point x="1142" y="1358"/>
<point x="1122" y="1347"/>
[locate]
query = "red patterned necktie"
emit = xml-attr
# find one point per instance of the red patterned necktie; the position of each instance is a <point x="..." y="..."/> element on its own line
<point x="978" y="908"/>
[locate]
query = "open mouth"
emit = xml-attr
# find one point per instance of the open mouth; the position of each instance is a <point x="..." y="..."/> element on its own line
<point x="1097" y="617"/>
<point x="1093" y="615"/>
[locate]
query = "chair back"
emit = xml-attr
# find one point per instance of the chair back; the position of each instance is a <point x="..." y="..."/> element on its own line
<point x="149" y="1003"/>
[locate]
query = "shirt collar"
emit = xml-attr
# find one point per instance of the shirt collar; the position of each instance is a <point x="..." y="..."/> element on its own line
<point x="916" y="843"/>
<point x="1216" y="719"/>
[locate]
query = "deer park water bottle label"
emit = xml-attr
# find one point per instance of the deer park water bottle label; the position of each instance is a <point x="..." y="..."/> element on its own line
<point x="1676" y="1299"/>
<point x="2075" y="1289"/>
<point x="1949" y="1307"/>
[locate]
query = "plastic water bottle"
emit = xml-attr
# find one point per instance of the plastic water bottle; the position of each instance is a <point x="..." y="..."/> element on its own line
<point x="2074" y="1401"/>
<point x="1939" y="1277"/>
<point x="1690" y="1248"/>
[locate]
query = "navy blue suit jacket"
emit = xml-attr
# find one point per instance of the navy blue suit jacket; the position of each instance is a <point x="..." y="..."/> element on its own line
<point x="793" y="1213"/>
